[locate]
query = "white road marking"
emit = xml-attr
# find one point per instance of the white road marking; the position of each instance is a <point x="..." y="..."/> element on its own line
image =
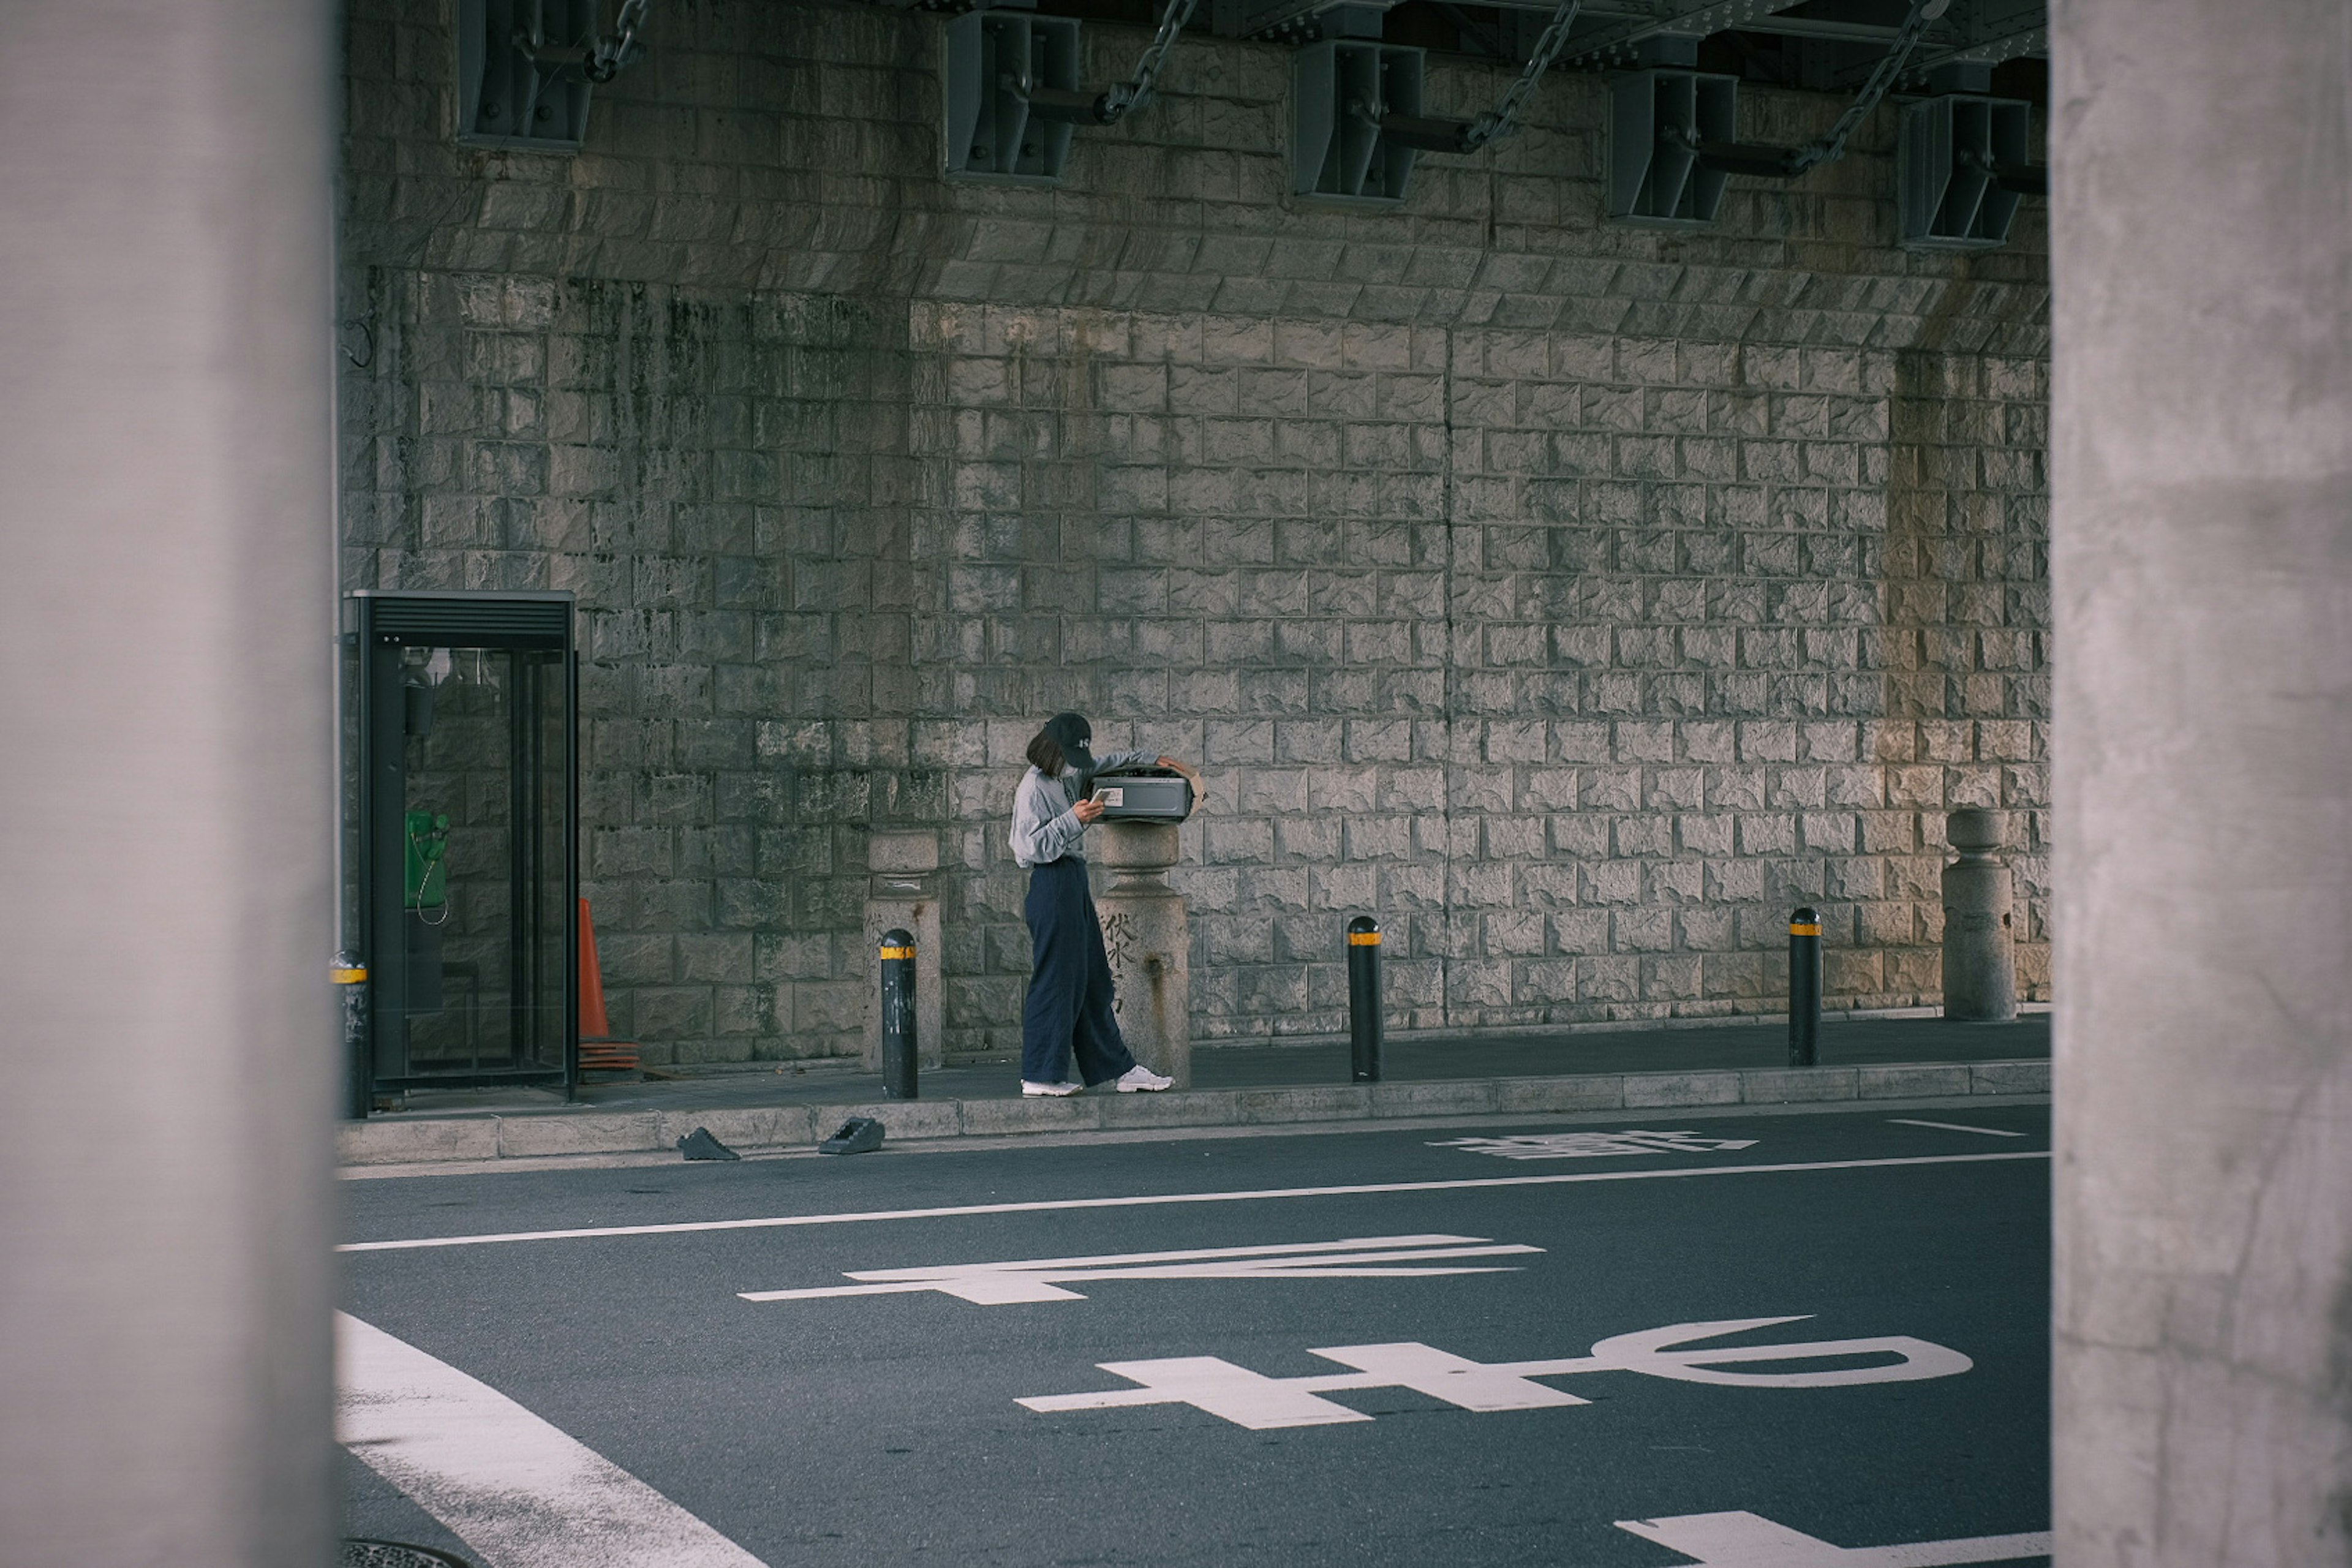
<point x="1592" y="1145"/>
<point x="1056" y="1205"/>
<point x="1259" y="1403"/>
<point x="1042" y="1279"/>
<point x="1748" y="1540"/>
<point x="1953" y="1127"/>
<point x="516" y="1490"/>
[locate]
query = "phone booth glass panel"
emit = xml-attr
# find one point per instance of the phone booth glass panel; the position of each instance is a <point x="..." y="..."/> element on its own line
<point x="467" y="876"/>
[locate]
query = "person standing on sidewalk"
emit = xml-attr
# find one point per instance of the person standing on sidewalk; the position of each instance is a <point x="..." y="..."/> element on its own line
<point x="1068" y="1011"/>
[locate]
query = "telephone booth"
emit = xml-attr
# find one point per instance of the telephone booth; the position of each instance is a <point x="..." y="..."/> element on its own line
<point x="466" y="875"/>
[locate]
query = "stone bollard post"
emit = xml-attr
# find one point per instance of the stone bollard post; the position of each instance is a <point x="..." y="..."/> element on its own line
<point x="1147" y="935"/>
<point x="1980" y="949"/>
<point x="904" y="891"/>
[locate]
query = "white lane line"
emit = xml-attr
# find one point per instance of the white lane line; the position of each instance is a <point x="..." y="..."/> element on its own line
<point x="1953" y="1127"/>
<point x="1745" y="1540"/>
<point x="1053" y="1206"/>
<point x="516" y="1490"/>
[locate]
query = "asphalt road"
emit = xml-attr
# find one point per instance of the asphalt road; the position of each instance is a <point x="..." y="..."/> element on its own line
<point x="884" y="1426"/>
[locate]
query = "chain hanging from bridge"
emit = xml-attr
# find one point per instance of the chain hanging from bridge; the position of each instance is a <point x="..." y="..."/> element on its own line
<point x="611" y="52"/>
<point x="1831" y="147"/>
<point x="1464" y="136"/>
<point x="1135" y="91"/>
<point x="1504" y="118"/>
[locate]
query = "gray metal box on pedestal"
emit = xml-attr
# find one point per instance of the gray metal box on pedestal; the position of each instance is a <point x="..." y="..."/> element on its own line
<point x="1144" y="795"/>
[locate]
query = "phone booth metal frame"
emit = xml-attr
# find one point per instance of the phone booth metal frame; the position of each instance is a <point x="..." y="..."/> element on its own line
<point x="497" y="1015"/>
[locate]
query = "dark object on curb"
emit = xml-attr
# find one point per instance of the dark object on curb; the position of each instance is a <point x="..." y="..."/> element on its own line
<point x="1804" y="987"/>
<point x="700" y="1144"/>
<point x="1364" y="998"/>
<point x="859" y="1135"/>
<point x="358" y="1554"/>
<point x="897" y="1014"/>
<point x="1144" y="793"/>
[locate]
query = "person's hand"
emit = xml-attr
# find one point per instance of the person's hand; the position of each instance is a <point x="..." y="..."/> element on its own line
<point x="1200" y="792"/>
<point x="1087" y="810"/>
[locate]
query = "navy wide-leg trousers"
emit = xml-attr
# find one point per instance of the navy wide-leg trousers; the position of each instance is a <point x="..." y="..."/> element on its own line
<point x="1069" y="1008"/>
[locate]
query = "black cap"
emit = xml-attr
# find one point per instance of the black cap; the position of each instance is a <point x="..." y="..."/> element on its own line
<point x="1072" y="733"/>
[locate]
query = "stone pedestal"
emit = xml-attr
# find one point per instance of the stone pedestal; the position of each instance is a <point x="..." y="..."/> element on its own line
<point x="1149" y="937"/>
<point x="1979" y="947"/>
<point x="903" y="890"/>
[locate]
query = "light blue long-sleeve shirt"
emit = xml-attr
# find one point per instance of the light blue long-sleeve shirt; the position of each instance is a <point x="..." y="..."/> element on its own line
<point x="1043" y="826"/>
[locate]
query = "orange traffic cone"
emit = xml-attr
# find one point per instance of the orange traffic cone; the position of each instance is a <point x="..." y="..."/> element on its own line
<point x="599" y="1052"/>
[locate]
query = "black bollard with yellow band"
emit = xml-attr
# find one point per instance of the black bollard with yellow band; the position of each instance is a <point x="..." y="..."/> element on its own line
<point x="1364" y="998"/>
<point x="897" y="1014"/>
<point x="1804" y="988"/>
<point x="350" y="977"/>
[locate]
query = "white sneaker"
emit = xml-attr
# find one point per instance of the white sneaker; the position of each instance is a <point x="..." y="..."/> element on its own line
<point x="1055" y="1089"/>
<point x="1141" y="1079"/>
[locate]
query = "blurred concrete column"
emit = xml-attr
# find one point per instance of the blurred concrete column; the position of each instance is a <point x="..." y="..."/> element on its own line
<point x="166" y="589"/>
<point x="2202" y="582"/>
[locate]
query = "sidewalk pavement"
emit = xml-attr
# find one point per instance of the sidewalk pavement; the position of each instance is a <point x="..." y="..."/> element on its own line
<point x="793" y="1105"/>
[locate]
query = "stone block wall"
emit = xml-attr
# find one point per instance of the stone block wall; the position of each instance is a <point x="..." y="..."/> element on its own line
<point x="1575" y="598"/>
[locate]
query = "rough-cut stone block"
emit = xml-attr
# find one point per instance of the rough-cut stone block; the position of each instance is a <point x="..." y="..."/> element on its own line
<point x="903" y="852"/>
<point x="1069" y="1113"/>
<point x="1172" y="1108"/>
<point x="1581" y="1091"/>
<point x="1666" y="1088"/>
<point x="416" y="1143"/>
<point x="1303" y="1104"/>
<point x="2010" y="1078"/>
<point x="1465" y="1096"/>
<point x="1907" y="1082"/>
<point x="581" y="1133"/>
<point x="1772" y="1085"/>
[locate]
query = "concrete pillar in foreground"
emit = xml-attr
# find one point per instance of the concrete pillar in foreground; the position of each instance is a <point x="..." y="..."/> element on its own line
<point x="165" y="597"/>
<point x="2202" y="583"/>
<point x="1149" y="937"/>
<point x="1979" y="945"/>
